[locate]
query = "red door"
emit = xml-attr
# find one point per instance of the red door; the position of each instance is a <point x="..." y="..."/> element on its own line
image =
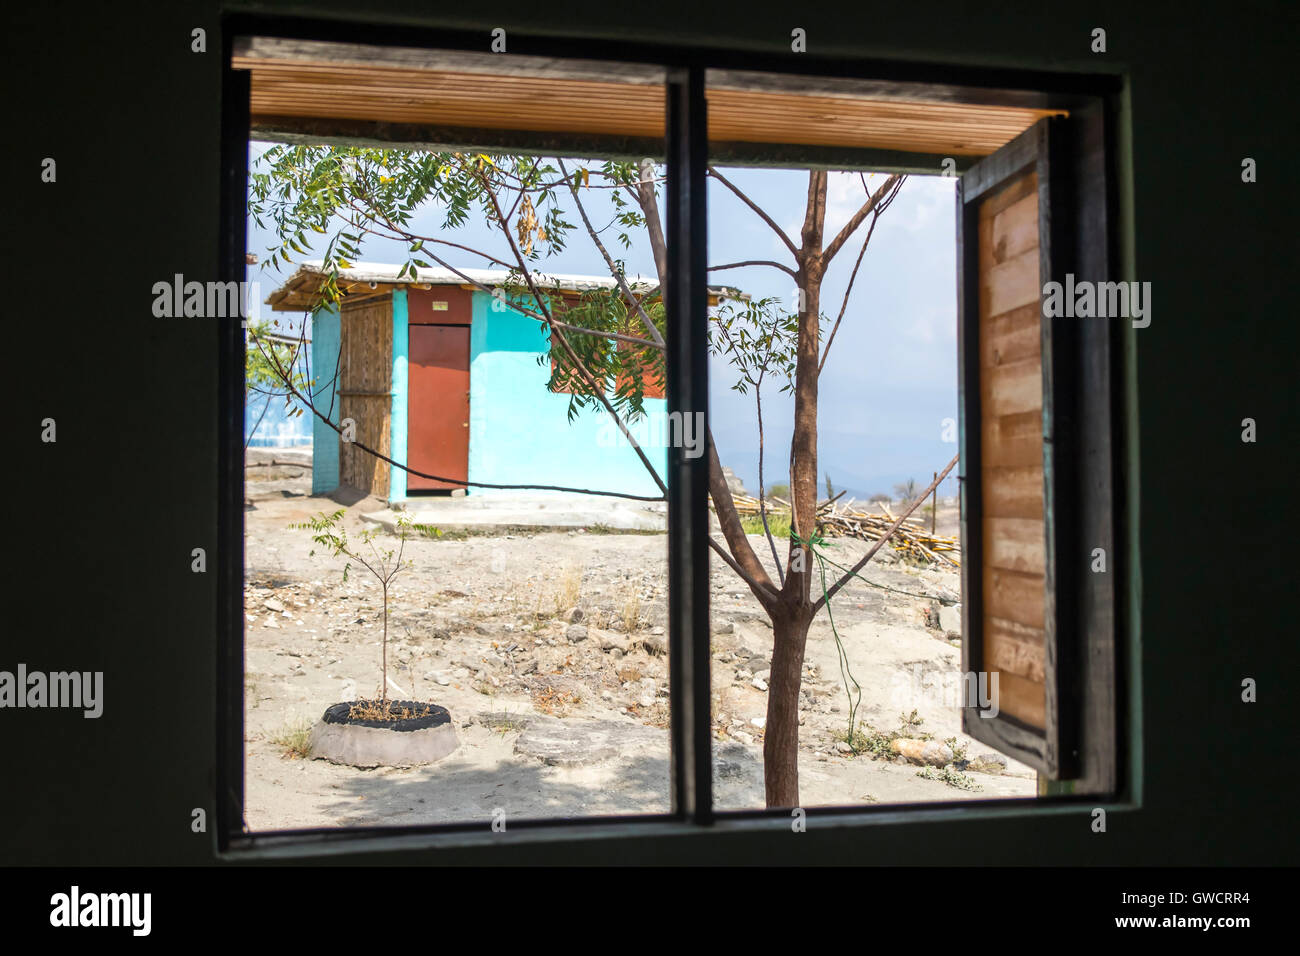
<point x="437" y="424"/>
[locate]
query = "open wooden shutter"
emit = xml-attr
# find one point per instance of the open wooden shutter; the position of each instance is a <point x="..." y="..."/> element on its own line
<point x="1034" y="617"/>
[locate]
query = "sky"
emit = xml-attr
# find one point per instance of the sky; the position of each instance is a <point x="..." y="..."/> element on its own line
<point x="890" y="380"/>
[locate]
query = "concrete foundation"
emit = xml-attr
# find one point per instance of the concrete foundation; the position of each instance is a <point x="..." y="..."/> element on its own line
<point x="532" y="510"/>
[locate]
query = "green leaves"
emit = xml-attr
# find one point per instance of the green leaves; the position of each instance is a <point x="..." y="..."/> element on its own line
<point x="273" y="366"/>
<point x="351" y="193"/>
<point x="758" y="339"/>
<point x="627" y="367"/>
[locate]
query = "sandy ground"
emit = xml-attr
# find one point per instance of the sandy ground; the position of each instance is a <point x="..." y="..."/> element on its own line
<point x="556" y="719"/>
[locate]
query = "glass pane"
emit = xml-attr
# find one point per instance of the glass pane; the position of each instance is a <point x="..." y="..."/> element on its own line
<point x="455" y="553"/>
<point x="834" y="407"/>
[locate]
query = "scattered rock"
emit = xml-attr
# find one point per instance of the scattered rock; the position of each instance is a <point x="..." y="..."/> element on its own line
<point x="573" y="615"/>
<point x="943" y="595"/>
<point x="843" y="747"/>
<point x="925" y="752"/>
<point x="988" y="763"/>
<point x="759" y="683"/>
<point x="654" y="644"/>
<point x="576" y="633"/>
<point x="499" y="720"/>
<point x="950" y="619"/>
<point x="609" y="641"/>
<point x="628" y="673"/>
<point x="271" y="604"/>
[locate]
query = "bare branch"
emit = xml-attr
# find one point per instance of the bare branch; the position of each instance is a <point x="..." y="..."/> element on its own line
<point x="632" y="339"/>
<point x="851" y="226"/>
<point x="898" y="523"/>
<point x="762" y="501"/>
<point x="794" y="250"/>
<point x="732" y="530"/>
<point x="645" y="197"/>
<point x="754" y="585"/>
<point x="755" y="262"/>
<point x="875" y="217"/>
<point x="609" y="261"/>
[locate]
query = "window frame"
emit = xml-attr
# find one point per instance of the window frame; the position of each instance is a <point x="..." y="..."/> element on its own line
<point x="688" y="155"/>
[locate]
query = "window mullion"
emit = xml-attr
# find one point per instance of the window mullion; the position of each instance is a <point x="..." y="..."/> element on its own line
<point x="688" y="470"/>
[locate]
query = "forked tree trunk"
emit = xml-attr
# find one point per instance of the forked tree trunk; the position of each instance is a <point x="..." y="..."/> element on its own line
<point x="793" y="613"/>
<point x="791" y="609"/>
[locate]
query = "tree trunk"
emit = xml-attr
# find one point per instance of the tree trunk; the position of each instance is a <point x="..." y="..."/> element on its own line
<point x="794" y="612"/>
<point x="383" y="687"/>
<point x="781" y="734"/>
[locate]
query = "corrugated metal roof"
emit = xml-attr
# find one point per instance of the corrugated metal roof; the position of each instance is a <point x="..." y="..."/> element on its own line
<point x="298" y="290"/>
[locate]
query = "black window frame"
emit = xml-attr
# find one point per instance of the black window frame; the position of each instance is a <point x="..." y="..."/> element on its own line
<point x="688" y="154"/>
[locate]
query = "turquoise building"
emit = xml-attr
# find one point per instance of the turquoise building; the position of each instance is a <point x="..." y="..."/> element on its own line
<point x="448" y="379"/>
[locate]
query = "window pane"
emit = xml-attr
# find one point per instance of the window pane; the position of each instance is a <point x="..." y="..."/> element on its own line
<point x="446" y="520"/>
<point x="834" y="407"/>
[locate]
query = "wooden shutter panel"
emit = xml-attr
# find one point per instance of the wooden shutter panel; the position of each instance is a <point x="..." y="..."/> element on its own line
<point x="1039" y="454"/>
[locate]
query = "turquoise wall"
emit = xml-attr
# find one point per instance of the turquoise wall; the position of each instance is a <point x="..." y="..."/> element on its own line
<point x="401" y="346"/>
<point x="325" y="440"/>
<point x="519" y="430"/>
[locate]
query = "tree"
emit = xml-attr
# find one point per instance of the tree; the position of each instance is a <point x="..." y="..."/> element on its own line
<point x="328" y="531"/>
<point x="906" y="490"/>
<point x="267" y="358"/>
<point x="613" y="335"/>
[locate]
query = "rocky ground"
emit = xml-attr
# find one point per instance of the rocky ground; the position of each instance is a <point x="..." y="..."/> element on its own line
<point x="549" y="651"/>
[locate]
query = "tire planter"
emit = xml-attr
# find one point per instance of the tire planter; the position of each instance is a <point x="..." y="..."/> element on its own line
<point x="411" y="742"/>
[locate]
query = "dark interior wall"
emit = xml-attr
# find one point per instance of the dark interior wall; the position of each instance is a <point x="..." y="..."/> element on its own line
<point x="102" y="523"/>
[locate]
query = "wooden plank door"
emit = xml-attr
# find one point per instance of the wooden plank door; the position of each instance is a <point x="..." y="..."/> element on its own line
<point x="438" y="406"/>
<point x="1011" y="529"/>
<point x="365" y="392"/>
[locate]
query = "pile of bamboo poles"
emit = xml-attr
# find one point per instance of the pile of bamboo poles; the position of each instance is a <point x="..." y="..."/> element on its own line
<point x="912" y="540"/>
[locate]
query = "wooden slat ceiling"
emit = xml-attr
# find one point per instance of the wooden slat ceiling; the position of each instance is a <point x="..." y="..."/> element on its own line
<point x="474" y="91"/>
<point x="468" y="100"/>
